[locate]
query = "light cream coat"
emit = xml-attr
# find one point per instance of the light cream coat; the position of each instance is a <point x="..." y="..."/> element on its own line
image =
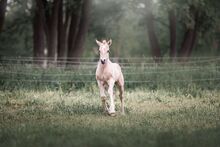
<point x="107" y="74"/>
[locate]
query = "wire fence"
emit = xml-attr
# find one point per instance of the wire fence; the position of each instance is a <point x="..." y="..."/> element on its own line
<point x="88" y="60"/>
<point x="93" y="74"/>
<point x="93" y="81"/>
<point x="203" y="71"/>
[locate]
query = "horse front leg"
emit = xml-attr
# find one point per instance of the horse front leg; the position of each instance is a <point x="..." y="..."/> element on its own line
<point x="111" y="111"/>
<point x="102" y="95"/>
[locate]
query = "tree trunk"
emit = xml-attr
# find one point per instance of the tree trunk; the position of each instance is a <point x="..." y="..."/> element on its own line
<point x="3" y="5"/>
<point x="52" y="32"/>
<point x="172" y="21"/>
<point x="153" y="37"/>
<point x="84" y="22"/>
<point x="63" y="26"/>
<point x="193" y="42"/>
<point x="186" y="44"/>
<point x="74" y="27"/>
<point x="77" y="49"/>
<point x="189" y="40"/>
<point x="195" y="35"/>
<point x="39" y="35"/>
<point x="215" y="45"/>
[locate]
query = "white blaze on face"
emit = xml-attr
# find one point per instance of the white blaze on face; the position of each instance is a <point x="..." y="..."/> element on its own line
<point x="103" y="51"/>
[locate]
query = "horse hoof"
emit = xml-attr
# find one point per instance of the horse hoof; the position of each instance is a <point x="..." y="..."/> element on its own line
<point x="112" y="114"/>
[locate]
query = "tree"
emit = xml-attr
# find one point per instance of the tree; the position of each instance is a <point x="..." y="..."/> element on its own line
<point x="16" y="35"/>
<point x="52" y="32"/>
<point x="64" y="25"/>
<point x="155" y="47"/>
<point x="39" y="39"/>
<point x="63" y="28"/>
<point x="190" y="35"/>
<point x="172" y="27"/>
<point x="194" y="17"/>
<point x="78" y="49"/>
<point x="78" y="30"/>
<point x="3" y="4"/>
<point x="73" y="32"/>
<point x="45" y="31"/>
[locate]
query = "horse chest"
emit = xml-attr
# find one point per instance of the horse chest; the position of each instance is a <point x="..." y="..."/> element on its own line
<point x="104" y="75"/>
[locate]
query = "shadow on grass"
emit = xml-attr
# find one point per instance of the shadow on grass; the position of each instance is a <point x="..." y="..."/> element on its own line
<point x="199" y="138"/>
<point x="77" y="108"/>
<point x="80" y="109"/>
<point x="34" y="135"/>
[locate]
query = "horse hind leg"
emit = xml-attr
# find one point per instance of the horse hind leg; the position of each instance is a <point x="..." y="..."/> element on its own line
<point x="121" y="93"/>
<point x="122" y="99"/>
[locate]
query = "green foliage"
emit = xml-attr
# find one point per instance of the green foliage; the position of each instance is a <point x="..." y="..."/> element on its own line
<point x="102" y="23"/>
<point x="204" y="12"/>
<point x="16" y="38"/>
<point x="123" y="21"/>
<point x="120" y="23"/>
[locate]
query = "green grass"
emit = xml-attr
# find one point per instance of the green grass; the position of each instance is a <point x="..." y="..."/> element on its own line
<point x="153" y="118"/>
<point x="168" y="105"/>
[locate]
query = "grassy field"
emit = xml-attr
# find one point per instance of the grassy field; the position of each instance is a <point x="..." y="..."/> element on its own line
<point x="153" y="118"/>
<point x="167" y="104"/>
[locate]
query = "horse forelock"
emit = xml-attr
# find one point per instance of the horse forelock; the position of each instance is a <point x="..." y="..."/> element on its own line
<point x="104" y="48"/>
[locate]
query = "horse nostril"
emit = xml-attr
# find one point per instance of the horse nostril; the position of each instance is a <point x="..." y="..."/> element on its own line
<point x="103" y="61"/>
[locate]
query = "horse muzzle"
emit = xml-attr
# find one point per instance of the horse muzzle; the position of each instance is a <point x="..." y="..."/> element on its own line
<point x="103" y="61"/>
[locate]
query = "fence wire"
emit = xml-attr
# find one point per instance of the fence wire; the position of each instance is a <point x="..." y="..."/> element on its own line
<point x="94" y="81"/>
<point x="123" y="61"/>
<point x="93" y="74"/>
<point x="136" y="70"/>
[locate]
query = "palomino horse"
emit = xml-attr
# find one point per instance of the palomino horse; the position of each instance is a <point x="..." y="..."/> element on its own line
<point x="108" y="73"/>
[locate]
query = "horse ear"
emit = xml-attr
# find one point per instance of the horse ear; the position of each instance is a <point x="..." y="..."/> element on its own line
<point x="110" y="42"/>
<point x="98" y="42"/>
